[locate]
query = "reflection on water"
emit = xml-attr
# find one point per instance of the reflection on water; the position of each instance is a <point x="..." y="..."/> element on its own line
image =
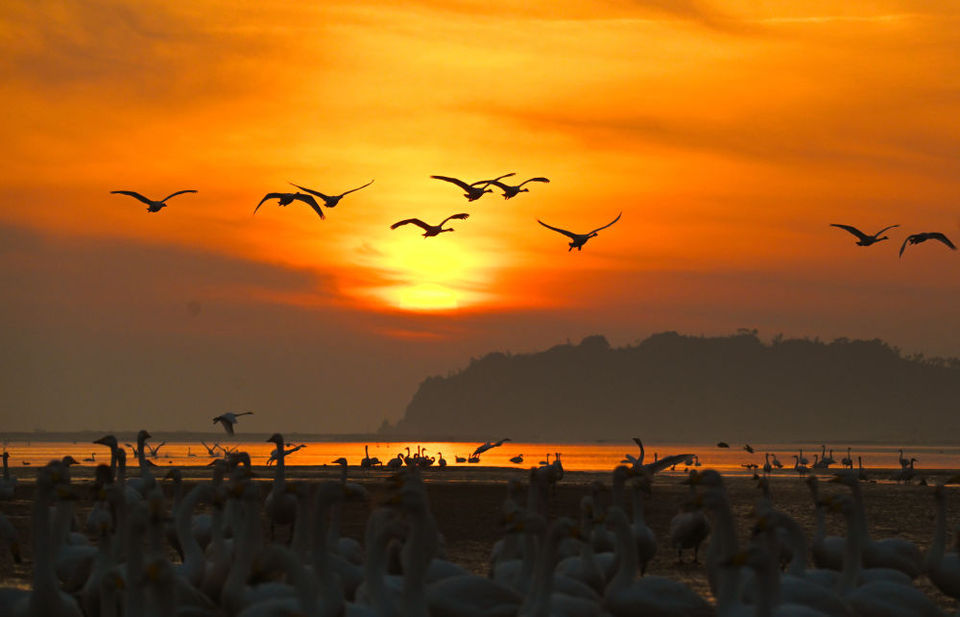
<point x="574" y="456"/>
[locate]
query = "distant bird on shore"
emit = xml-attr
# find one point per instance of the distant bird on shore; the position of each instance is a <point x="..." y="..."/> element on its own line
<point x="578" y="240"/>
<point x="476" y="190"/>
<point x="229" y="419"/>
<point x="488" y="445"/>
<point x="722" y="444"/>
<point x="862" y="238"/>
<point x="923" y="237"/>
<point x="331" y="201"/>
<point x="510" y="191"/>
<point x="152" y="206"/>
<point x="518" y="459"/>
<point x="288" y="198"/>
<point x="431" y="230"/>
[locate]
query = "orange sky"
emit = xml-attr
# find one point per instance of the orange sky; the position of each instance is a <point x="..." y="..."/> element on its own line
<point x="728" y="134"/>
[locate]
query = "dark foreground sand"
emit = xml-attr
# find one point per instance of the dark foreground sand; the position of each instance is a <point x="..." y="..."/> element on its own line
<point x="467" y="508"/>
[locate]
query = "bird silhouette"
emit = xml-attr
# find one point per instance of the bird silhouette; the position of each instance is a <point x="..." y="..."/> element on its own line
<point x="152" y="206"/>
<point x="578" y="240"/>
<point x="229" y="419"/>
<point x="862" y="238"/>
<point x="923" y="237"/>
<point x="288" y="198"/>
<point x="331" y="201"/>
<point x="477" y="189"/>
<point x="512" y="191"/>
<point x="430" y="230"/>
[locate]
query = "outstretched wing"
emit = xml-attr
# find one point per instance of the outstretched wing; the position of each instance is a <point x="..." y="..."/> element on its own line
<point x="356" y="189"/>
<point x="459" y="183"/>
<point x="859" y="234"/>
<point x="460" y="216"/>
<point x="416" y="222"/>
<point x="667" y="461"/>
<point x="486" y="182"/>
<point x="265" y="198"/>
<point x="537" y="179"/>
<point x="942" y="238"/>
<point x="904" y="245"/>
<point x="569" y="234"/>
<point x="135" y="195"/>
<point x="607" y="225"/>
<point x="311" y="191"/>
<point x="177" y="193"/>
<point x="885" y="229"/>
<point x="310" y="201"/>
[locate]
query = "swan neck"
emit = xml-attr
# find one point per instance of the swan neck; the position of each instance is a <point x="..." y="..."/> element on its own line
<point x="44" y="576"/>
<point x="626" y="555"/>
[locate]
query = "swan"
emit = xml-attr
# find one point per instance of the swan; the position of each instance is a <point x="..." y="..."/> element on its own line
<point x="847" y="461"/>
<point x="229" y="420"/>
<point x="776" y="462"/>
<point x="305" y="600"/>
<point x="512" y="191"/>
<point x="578" y="240"/>
<point x="152" y="206"/>
<point x="517" y="460"/>
<point x="584" y="567"/>
<point x="658" y="464"/>
<point x="827" y="550"/>
<point x="477" y="189"/>
<point x="644" y="540"/>
<point x="367" y="461"/>
<point x="895" y="553"/>
<point x="799" y="466"/>
<point x="489" y="445"/>
<point x="287" y="452"/>
<point x="331" y="201"/>
<point x="688" y="527"/>
<point x="767" y="467"/>
<point x="46" y="599"/>
<point x="546" y="597"/>
<point x="862" y="238"/>
<point x="194" y="562"/>
<point x="286" y="199"/>
<point x="431" y="230"/>
<point x="441" y="462"/>
<point x="8" y="485"/>
<point x="768" y="586"/>
<point x="348" y="548"/>
<point x="877" y="598"/>
<point x="625" y="596"/>
<point x="942" y="568"/>
<point x="923" y="237"/>
<point x="281" y="506"/>
<point x="146" y="481"/>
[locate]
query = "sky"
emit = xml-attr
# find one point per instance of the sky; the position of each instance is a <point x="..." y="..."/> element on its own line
<point x="729" y="134"/>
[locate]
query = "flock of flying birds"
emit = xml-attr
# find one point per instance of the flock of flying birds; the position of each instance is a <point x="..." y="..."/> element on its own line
<point x="478" y="189"/>
<point x="472" y="192"/>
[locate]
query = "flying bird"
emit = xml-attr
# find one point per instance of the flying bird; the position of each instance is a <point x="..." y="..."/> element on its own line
<point x="748" y="448"/>
<point x="152" y="206"/>
<point x="288" y="198"/>
<point x="578" y="240"/>
<point x="488" y="445"/>
<point x="229" y="419"/>
<point x="331" y="201"/>
<point x="923" y="237"/>
<point x="477" y="189"/>
<point x="431" y="230"/>
<point x="722" y="444"/>
<point x="512" y="191"/>
<point x="862" y="238"/>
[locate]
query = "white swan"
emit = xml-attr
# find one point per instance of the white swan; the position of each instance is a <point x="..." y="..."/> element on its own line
<point x="644" y="540"/>
<point x="827" y="550"/>
<point x="941" y="567"/>
<point x="626" y="596"/>
<point x="688" y="527"/>
<point x="229" y="420"/>
<point x="281" y="506"/>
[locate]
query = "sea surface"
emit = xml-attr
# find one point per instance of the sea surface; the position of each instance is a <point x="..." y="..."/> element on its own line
<point x="574" y="456"/>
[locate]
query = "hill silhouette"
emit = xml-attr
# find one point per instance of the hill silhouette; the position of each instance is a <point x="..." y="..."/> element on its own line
<point x="672" y="387"/>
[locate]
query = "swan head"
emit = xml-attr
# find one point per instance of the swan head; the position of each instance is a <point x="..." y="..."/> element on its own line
<point x="142" y="436"/>
<point x="107" y="440"/>
<point x="340" y="461"/>
<point x="276" y="438"/>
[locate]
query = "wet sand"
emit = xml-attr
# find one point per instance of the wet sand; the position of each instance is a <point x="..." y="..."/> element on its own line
<point x="467" y="506"/>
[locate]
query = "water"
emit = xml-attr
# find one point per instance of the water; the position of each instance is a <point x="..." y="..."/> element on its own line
<point x="574" y="456"/>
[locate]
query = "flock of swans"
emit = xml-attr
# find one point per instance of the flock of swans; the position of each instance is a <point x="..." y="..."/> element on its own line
<point x="472" y="191"/>
<point x="215" y="549"/>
